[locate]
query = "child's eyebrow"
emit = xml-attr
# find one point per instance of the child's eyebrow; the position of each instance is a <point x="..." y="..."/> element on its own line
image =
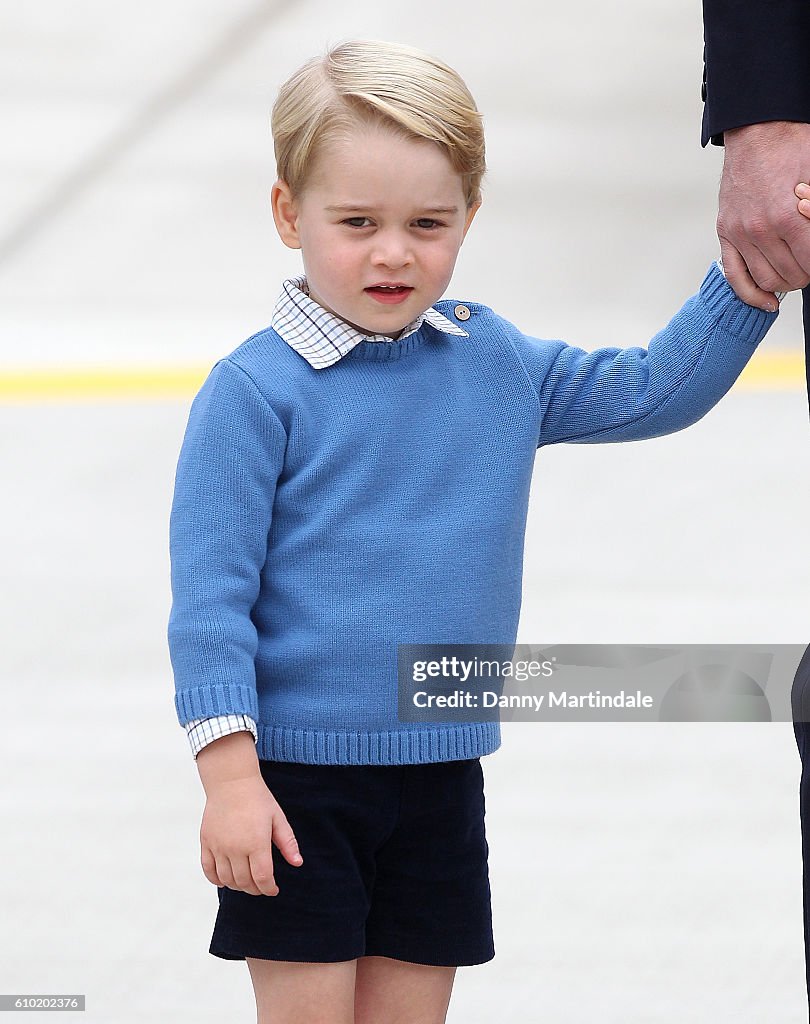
<point x="359" y="208"/>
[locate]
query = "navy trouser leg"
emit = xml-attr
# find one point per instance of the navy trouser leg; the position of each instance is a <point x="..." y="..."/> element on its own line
<point x="801" y="701"/>
<point x="800" y="697"/>
<point x="806" y="313"/>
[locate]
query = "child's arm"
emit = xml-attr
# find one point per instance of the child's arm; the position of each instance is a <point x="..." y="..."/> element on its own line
<point x="241" y="820"/>
<point x="626" y="394"/>
<point x="229" y="464"/>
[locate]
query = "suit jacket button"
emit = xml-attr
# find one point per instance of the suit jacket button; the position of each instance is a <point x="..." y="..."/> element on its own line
<point x="462" y="313"/>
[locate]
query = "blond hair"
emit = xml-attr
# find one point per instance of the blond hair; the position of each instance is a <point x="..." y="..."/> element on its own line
<point x="371" y="81"/>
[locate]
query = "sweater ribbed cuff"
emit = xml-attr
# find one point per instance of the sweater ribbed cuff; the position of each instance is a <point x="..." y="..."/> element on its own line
<point x="210" y="701"/>
<point x="723" y="305"/>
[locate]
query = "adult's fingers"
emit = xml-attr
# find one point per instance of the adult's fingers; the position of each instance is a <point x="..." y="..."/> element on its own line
<point x="767" y="256"/>
<point x="757" y="207"/>
<point x="772" y="264"/>
<point x="740" y="279"/>
<point x="797" y="235"/>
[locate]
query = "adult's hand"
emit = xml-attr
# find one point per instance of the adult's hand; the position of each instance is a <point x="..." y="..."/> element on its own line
<point x="764" y="240"/>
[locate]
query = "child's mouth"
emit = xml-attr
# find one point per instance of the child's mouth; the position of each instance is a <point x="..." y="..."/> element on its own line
<point x="389" y="295"/>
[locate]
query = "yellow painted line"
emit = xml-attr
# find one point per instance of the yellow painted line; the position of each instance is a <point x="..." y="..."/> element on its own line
<point x="767" y="371"/>
<point x="100" y="384"/>
<point x="773" y="371"/>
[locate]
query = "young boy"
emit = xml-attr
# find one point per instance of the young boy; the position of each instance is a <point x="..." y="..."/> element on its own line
<point x="356" y="476"/>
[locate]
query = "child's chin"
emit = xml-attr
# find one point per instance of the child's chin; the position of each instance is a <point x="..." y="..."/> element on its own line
<point x="386" y="327"/>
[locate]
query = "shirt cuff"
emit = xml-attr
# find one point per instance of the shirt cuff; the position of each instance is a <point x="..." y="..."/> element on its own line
<point x="202" y="731"/>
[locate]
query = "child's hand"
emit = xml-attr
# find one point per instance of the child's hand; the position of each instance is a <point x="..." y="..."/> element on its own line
<point x="803" y="195"/>
<point x="241" y="821"/>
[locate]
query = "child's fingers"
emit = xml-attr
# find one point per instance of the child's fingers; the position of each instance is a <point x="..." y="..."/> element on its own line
<point x="739" y="277"/>
<point x="241" y="870"/>
<point x="261" y="871"/>
<point x="225" y="872"/>
<point x="209" y="866"/>
<point x="803" y="195"/>
<point x="284" y="838"/>
<point x="252" y="874"/>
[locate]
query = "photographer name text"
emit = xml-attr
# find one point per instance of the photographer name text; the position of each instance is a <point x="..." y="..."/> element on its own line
<point x="535" y="701"/>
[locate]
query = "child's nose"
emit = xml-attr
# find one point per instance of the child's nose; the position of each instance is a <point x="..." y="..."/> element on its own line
<point x="392" y="251"/>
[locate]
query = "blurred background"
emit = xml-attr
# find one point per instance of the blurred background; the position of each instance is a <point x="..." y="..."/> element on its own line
<point x="638" y="873"/>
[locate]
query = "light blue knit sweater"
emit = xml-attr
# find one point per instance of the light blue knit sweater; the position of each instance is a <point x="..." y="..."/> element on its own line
<point x="321" y="517"/>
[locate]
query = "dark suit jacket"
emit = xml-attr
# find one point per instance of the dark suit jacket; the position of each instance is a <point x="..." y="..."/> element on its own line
<point x="756" y="67"/>
<point x="756" y="63"/>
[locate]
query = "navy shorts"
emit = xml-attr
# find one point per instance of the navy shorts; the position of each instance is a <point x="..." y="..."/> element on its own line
<point x="395" y="865"/>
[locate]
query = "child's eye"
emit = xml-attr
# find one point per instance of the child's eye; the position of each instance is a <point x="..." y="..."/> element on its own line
<point x="426" y="223"/>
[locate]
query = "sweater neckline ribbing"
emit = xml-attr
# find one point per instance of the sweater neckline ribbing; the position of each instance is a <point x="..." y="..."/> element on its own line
<point x="385" y="350"/>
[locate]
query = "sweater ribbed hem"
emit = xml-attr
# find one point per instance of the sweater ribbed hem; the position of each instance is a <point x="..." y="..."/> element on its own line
<point x="406" y="746"/>
<point x="735" y="315"/>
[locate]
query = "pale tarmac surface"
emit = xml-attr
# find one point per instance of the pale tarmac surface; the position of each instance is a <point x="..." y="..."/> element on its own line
<point x="639" y="873"/>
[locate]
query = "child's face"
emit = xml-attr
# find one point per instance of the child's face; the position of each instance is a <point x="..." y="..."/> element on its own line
<point x="402" y="219"/>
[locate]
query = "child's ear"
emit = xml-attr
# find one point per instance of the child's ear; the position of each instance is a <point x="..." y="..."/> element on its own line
<point x="470" y="214"/>
<point x="285" y="213"/>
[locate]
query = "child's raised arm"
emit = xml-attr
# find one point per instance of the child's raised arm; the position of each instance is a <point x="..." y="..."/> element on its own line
<point x="626" y="394"/>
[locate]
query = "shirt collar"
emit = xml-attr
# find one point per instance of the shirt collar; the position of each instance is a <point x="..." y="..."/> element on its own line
<point x="321" y="337"/>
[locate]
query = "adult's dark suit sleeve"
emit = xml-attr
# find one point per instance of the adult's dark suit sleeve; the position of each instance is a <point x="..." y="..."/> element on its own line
<point x="756" y="64"/>
<point x="757" y="68"/>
